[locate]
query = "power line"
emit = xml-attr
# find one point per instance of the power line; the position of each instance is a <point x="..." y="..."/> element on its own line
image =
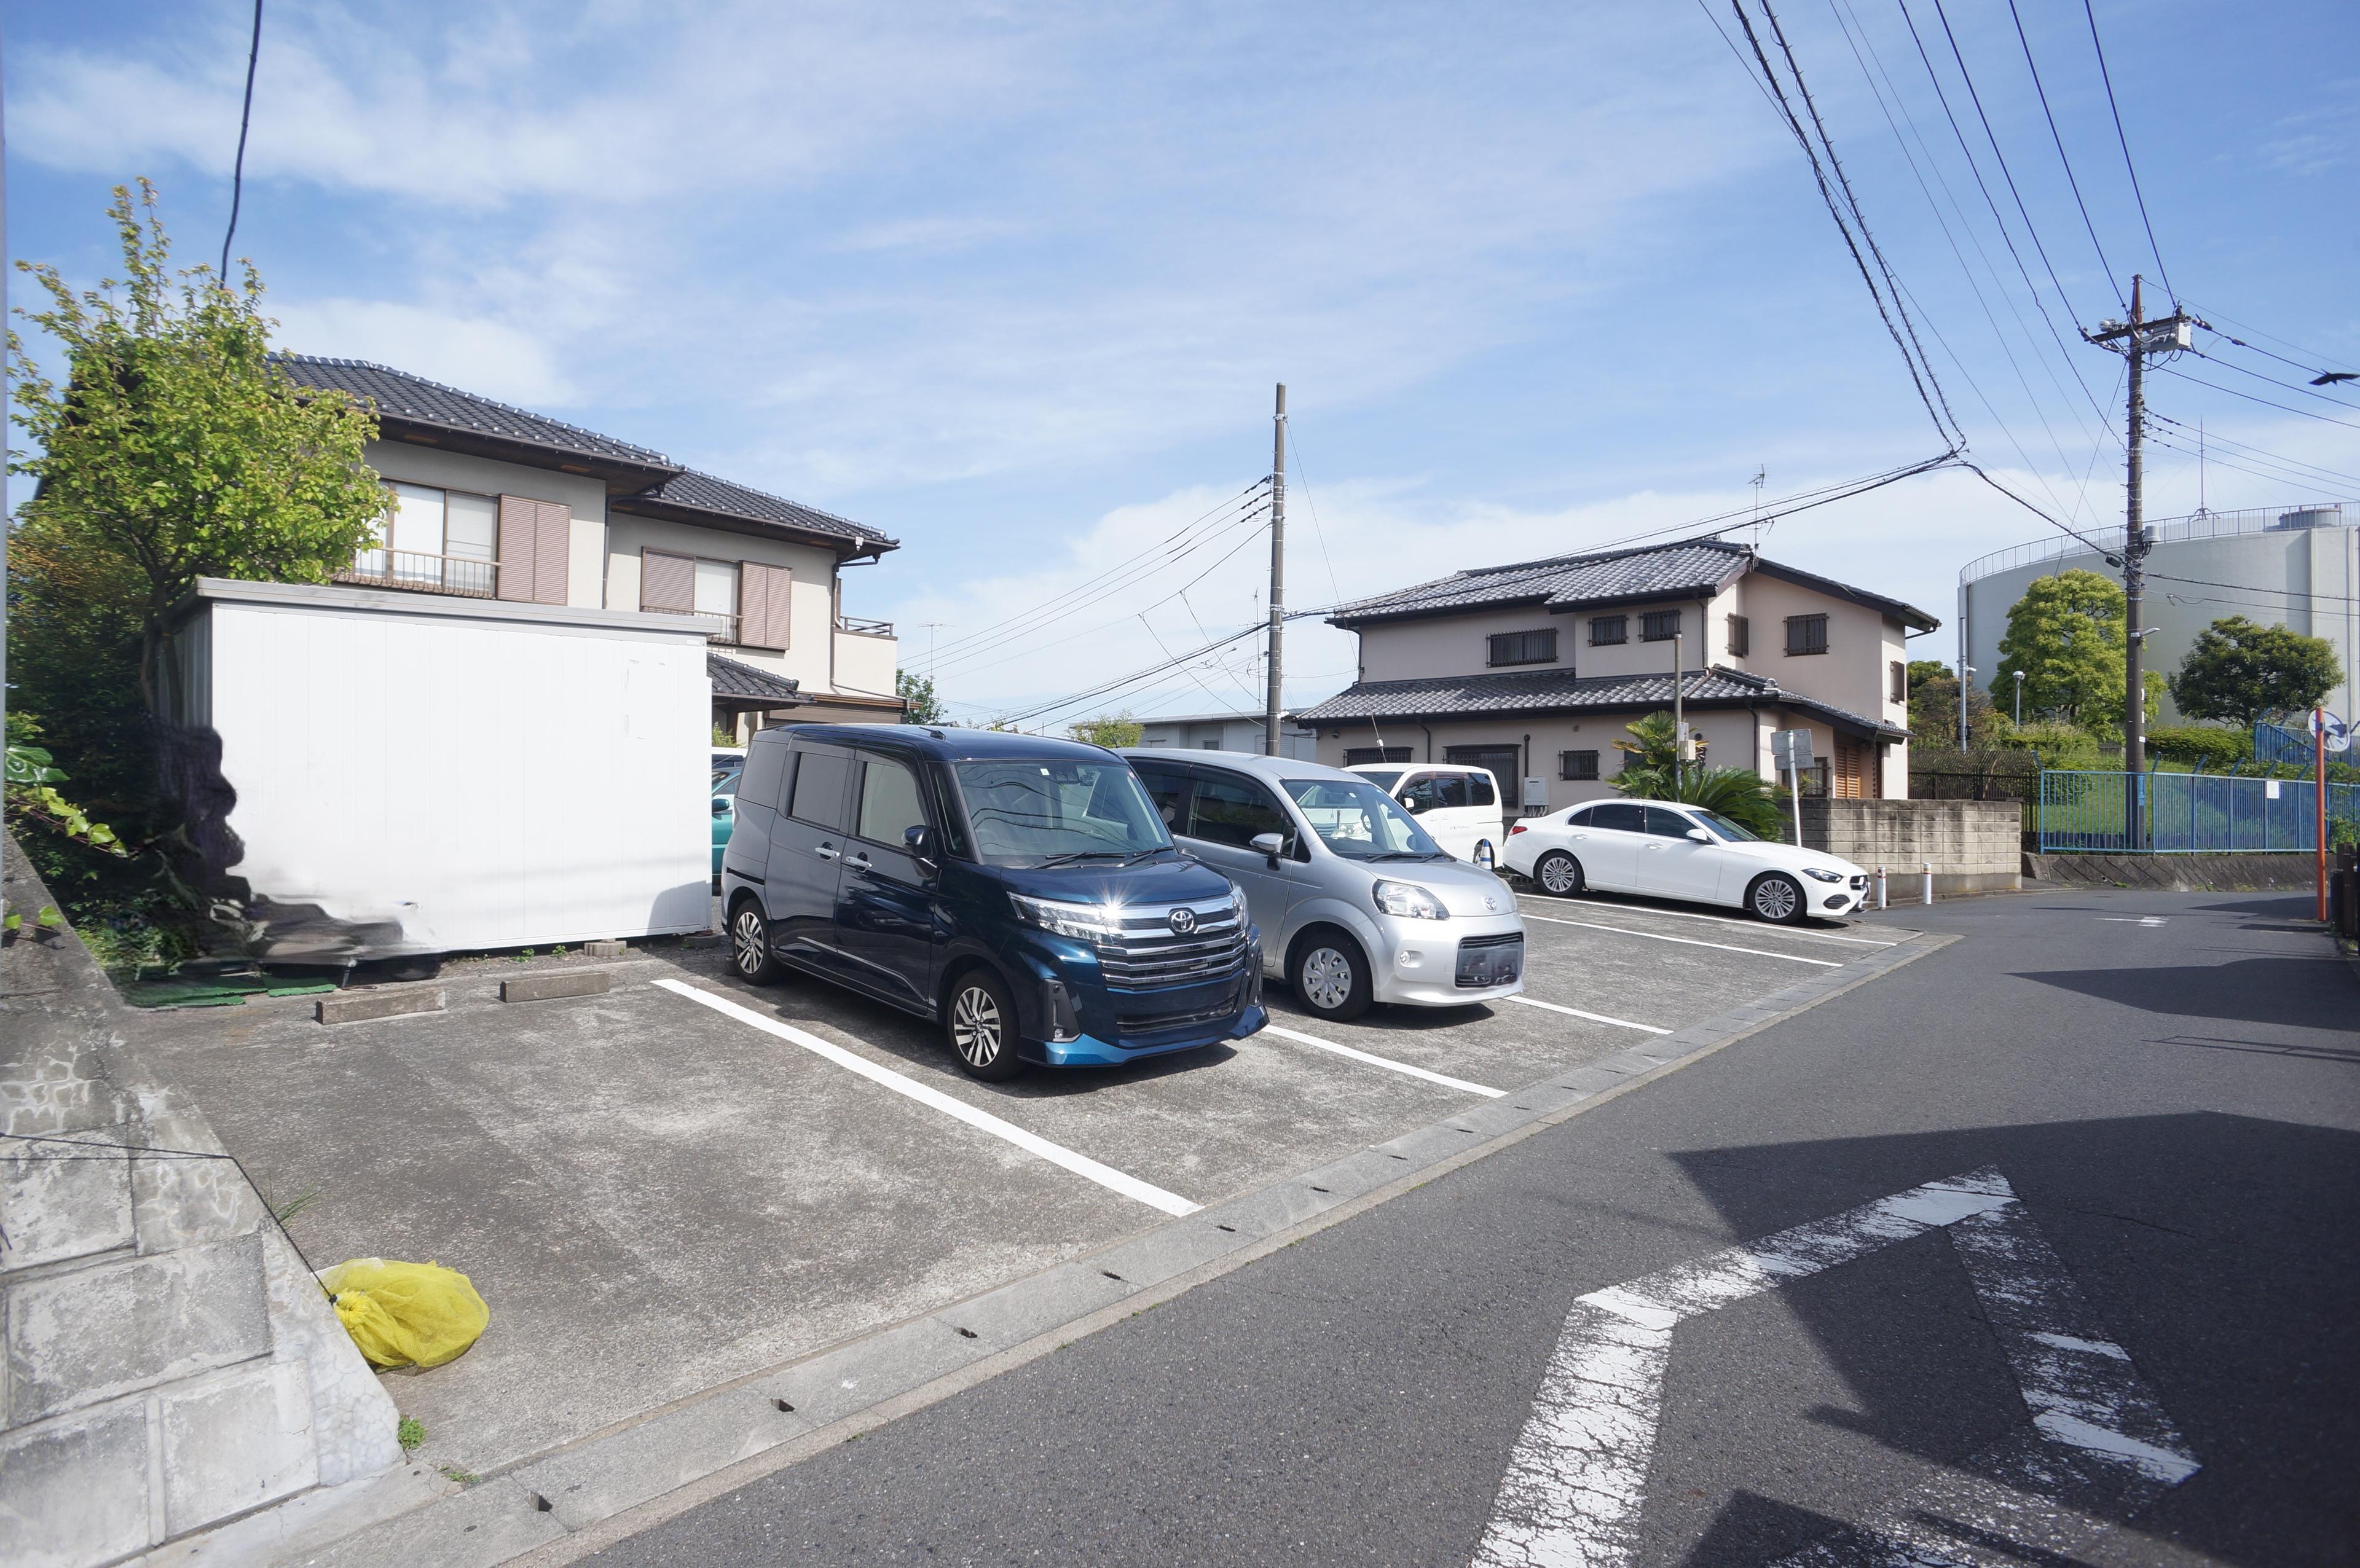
<point x="2248" y="326"/>
<point x="2210" y="438"/>
<point x="1316" y="531"/>
<point x="2237" y="462"/>
<point x="2248" y="588"/>
<point x="2104" y="266"/>
<point x="2107" y="77"/>
<point x="244" y="119"/>
<point x="2231" y="391"/>
<point x="2232" y="364"/>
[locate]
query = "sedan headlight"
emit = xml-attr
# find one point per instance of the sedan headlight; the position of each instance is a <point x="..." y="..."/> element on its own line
<point x="1817" y="875"/>
<point x="1408" y="900"/>
<point x="1085" y="920"/>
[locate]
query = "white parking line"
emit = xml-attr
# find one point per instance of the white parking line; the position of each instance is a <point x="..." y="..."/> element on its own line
<point x="1715" y="920"/>
<point x="925" y="1094"/>
<point x="1593" y="1018"/>
<point x="1687" y="941"/>
<point x="1448" y="1082"/>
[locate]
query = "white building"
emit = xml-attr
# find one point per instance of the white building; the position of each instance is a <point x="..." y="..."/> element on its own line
<point x="1227" y="731"/>
<point x="2295" y="566"/>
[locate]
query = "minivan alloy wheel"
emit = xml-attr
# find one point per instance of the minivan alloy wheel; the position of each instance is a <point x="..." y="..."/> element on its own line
<point x="976" y="1030"/>
<point x="749" y="945"/>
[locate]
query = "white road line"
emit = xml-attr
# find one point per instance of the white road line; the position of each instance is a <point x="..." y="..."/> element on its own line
<point x="926" y="1094"/>
<point x="1714" y="919"/>
<point x="1593" y="1018"/>
<point x="1576" y="1480"/>
<point x="1687" y="940"/>
<point x="1387" y="1062"/>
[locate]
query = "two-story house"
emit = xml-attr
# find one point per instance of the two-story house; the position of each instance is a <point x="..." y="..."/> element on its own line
<point x="489" y="501"/>
<point x="1535" y="669"/>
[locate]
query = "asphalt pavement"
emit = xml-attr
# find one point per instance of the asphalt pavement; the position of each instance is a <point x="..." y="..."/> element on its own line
<point x="2060" y="1268"/>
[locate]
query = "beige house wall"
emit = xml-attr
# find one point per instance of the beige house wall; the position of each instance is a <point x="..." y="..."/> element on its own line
<point x="812" y="626"/>
<point x="584" y="498"/>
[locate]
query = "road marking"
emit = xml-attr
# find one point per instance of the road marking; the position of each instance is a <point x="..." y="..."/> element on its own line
<point x="1448" y="1082"/>
<point x="1713" y="920"/>
<point x="2097" y="1449"/>
<point x="2132" y="919"/>
<point x="926" y="1094"/>
<point x="1593" y="1018"/>
<point x="1687" y="940"/>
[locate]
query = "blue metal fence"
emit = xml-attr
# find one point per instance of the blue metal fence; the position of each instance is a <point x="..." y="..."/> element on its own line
<point x="2185" y="813"/>
<point x="2277" y="743"/>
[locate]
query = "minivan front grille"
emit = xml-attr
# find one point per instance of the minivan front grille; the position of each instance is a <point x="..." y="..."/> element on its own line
<point x="1150" y="954"/>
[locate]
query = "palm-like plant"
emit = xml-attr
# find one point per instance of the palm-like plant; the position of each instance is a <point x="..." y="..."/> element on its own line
<point x="1741" y="795"/>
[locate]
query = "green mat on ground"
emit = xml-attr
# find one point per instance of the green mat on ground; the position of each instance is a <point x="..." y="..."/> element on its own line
<point x="212" y="991"/>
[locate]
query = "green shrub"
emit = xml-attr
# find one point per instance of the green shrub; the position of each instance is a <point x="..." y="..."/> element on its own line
<point x="2216" y="747"/>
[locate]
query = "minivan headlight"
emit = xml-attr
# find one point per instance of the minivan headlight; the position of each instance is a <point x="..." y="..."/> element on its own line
<point x="1245" y="915"/>
<point x="1064" y="919"/>
<point x="1817" y="875"/>
<point x="1409" y="900"/>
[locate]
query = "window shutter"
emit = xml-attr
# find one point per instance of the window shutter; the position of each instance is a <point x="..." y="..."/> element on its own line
<point x="667" y="582"/>
<point x="552" y="544"/>
<point x="520" y="544"/>
<point x="763" y="592"/>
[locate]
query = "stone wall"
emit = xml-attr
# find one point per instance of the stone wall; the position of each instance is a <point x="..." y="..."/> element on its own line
<point x="2177" y="873"/>
<point x="166" y="1361"/>
<point x="1972" y="845"/>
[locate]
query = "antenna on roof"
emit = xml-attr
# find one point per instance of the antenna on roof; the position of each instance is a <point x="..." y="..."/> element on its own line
<point x="1761" y="474"/>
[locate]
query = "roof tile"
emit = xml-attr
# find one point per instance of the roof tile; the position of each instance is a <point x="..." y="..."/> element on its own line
<point x="404" y="396"/>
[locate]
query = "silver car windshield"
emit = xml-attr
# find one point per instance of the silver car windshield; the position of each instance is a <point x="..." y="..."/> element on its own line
<point x="1724" y="827"/>
<point x="1052" y="814"/>
<point x="1359" y="821"/>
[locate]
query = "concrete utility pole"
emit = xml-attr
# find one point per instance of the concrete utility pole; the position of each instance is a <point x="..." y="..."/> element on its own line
<point x="1680" y="719"/>
<point x="2138" y="338"/>
<point x="1277" y="574"/>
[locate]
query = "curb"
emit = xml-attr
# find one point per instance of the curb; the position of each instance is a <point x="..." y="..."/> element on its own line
<point x="562" y="1506"/>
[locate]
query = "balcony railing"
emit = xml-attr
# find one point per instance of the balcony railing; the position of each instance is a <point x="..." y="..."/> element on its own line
<point x="718" y="628"/>
<point x="463" y="575"/>
<point x="863" y="627"/>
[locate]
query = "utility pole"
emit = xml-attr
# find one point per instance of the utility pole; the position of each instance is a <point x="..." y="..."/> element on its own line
<point x="1680" y="721"/>
<point x="2138" y="338"/>
<point x="1277" y="573"/>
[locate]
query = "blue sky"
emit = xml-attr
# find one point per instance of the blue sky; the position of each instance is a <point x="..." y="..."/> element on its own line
<point x="1014" y="283"/>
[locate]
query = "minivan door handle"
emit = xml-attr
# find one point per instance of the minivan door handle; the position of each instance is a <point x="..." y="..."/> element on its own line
<point x="858" y="861"/>
<point x="825" y="852"/>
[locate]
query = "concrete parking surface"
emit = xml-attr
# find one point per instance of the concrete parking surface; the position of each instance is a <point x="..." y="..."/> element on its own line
<point x="688" y="1181"/>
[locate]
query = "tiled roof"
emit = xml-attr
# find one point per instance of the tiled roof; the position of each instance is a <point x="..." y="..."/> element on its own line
<point x="1558" y="692"/>
<point x="1683" y="569"/>
<point x="403" y="396"/>
<point x="732" y="679"/>
<point x="704" y="493"/>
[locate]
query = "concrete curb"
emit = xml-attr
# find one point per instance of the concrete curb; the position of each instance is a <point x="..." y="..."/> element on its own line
<point x="356" y="1007"/>
<point x="581" y="1498"/>
<point x="561" y="983"/>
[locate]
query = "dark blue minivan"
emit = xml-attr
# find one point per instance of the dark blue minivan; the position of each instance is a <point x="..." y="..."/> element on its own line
<point x="1023" y="891"/>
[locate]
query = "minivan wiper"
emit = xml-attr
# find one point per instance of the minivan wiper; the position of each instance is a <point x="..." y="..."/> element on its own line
<point x="1068" y="856"/>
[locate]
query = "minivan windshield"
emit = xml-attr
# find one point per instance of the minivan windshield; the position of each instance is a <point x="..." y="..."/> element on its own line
<point x="1053" y="813"/>
<point x="1359" y="821"/>
<point x="1382" y="778"/>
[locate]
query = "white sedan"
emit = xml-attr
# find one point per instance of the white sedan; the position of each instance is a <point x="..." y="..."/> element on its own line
<point x="1670" y="850"/>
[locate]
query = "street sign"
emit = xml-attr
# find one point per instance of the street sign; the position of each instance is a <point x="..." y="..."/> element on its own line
<point x="1791" y="749"/>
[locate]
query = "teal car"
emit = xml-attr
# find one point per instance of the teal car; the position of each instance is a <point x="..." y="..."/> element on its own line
<point x="725" y="812"/>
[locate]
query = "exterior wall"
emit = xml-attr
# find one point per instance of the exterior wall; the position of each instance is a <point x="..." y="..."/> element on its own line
<point x="1974" y="846"/>
<point x="1862" y="642"/>
<point x="1459" y="644"/>
<point x="2307" y="580"/>
<point x="865" y="662"/>
<point x="585" y="498"/>
<point x="1229" y="732"/>
<point x="812" y="629"/>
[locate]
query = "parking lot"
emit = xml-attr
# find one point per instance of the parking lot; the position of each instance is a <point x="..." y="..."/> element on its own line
<point x="688" y="1181"/>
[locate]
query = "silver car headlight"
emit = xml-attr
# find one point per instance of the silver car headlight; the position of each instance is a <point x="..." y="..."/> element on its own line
<point x="1815" y="874"/>
<point x="1088" y="922"/>
<point x="1408" y="900"/>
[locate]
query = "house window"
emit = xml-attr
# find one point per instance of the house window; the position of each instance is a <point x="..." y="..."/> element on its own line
<point x="1659" y="626"/>
<point x="1807" y="634"/>
<point x="1356" y="755"/>
<point x="1578" y="765"/>
<point x="442" y="539"/>
<point x="742" y="602"/>
<point x="1740" y="636"/>
<point x="1607" y="630"/>
<point x="1900" y="673"/>
<point x="1524" y="647"/>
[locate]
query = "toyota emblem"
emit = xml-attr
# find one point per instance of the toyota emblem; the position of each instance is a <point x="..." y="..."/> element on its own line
<point x="1183" y="921"/>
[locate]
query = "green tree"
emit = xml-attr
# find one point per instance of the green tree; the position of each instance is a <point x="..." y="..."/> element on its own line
<point x="1110" y="730"/>
<point x="1740" y="794"/>
<point x="920" y="706"/>
<point x="2244" y="674"/>
<point x="1654" y="744"/>
<point x="173" y="450"/>
<point x="1934" y="709"/>
<point x="2067" y="634"/>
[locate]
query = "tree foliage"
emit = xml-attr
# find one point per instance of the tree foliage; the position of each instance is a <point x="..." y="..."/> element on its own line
<point x="172" y="450"/>
<point x="2244" y="674"/>
<point x="1654" y="743"/>
<point x="2067" y="634"/>
<point x="1934" y="709"/>
<point x="920" y="706"/>
<point x="1110" y="730"/>
<point x="1741" y="795"/>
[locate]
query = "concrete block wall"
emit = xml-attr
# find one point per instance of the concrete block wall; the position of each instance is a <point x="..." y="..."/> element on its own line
<point x="1974" y="846"/>
<point x="166" y="1360"/>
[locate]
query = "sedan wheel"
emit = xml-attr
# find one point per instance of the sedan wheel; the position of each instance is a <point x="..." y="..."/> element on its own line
<point x="1330" y="977"/>
<point x="749" y="945"/>
<point x="982" y="1028"/>
<point x="1776" y="898"/>
<point x="1559" y="873"/>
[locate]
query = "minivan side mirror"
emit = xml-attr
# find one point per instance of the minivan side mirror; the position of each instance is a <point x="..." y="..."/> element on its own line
<point x="1413" y="804"/>
<point x="721" y="804"/>
<point x="1270" y="844"/>
<point x="1700" y="835"/>
<point x="921" y="841"/>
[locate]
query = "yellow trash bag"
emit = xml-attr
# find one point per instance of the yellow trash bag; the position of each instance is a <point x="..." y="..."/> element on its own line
<point x="401" y="1313"/>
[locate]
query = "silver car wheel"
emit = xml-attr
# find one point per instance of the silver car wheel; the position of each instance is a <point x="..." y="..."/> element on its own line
<point x="1774" y="899"/>
<point x="974" y="1025"/>
<point x="1556" y="874"/>
<point x="749" y="942"/>
<point x="1326" y="978"/>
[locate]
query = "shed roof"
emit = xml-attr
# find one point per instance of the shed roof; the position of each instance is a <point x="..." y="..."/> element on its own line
<point x="734" y="680"/>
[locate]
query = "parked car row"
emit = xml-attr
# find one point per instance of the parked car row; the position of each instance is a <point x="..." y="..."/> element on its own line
<point x="1667" y="850"/>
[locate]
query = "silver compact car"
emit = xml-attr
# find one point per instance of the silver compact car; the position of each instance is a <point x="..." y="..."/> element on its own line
<point x="1357" y="904"/>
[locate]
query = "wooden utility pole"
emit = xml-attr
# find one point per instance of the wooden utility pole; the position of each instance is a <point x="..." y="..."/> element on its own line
<point x="1271" y="702"/>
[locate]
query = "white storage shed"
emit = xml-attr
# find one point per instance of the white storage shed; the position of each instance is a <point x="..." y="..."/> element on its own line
<point x="413" y="773"/>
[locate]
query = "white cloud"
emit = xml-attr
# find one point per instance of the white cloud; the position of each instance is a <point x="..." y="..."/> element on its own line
<point x="476" y="354"/>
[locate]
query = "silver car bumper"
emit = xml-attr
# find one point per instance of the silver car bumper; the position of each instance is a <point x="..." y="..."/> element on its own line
<point x="1420" y="963"/>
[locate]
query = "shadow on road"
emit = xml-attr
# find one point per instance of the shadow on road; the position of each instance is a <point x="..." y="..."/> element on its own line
<point x="2283" y="991"/>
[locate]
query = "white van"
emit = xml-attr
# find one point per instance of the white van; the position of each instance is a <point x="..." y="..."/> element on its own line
<point x="1459" y="806"/>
